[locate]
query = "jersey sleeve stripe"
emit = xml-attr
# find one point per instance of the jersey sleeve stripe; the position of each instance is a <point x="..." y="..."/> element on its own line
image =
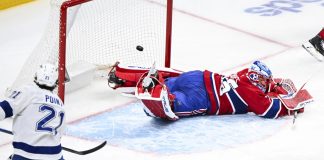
<point x="37" y="149"/>
<point x="6" y="108"/>
<point x="273" y="110"/>
<point x="238" y="104"/>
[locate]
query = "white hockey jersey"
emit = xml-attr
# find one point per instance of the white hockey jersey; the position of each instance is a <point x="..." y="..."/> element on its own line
<point x="38" y="122"/>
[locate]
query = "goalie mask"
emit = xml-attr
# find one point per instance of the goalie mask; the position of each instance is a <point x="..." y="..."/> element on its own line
<point x="260" y="75"/>
<point x="46" y="75"/>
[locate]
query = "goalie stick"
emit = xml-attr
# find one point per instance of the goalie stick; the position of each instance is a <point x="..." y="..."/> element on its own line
<point x="301" y="97"/>
<point x="84" y="152"/>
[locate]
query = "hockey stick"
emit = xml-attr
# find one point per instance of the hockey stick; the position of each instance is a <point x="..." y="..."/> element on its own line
<point x="6" y="131"/>
<point x="313" y="74"/>
<point x="85" y="152"/>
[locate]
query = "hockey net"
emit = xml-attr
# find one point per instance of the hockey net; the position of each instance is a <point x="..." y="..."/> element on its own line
<point x="101" y="32"/>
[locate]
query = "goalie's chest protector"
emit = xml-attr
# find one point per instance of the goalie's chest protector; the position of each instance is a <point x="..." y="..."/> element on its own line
<point x="225" y="95"/>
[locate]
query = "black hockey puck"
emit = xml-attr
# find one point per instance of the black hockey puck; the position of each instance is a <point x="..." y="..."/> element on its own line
<point x="139" y="48"/>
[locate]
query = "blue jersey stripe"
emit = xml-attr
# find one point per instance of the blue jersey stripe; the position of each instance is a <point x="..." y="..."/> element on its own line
<point x="238" y="104"/>
<point x="37" y="149"/>
<point x="18" y="157"/>
<point x="6" y="108"/>
<point x="274" y="109"/>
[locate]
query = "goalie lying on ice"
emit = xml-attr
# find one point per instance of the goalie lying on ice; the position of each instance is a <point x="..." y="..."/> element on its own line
<point x="170" y="94"/>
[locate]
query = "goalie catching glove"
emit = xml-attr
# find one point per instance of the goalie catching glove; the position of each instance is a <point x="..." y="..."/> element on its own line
<point x="285" y="85"/>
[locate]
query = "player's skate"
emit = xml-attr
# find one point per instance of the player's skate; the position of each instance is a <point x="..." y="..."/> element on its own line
<point x="113" y="81"/>
<point x="315" y="47"/>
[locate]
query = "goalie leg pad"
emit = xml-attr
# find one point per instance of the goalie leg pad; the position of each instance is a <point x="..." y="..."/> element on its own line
<point x="158" y="103"/>
<point x="128" y="76"/>
<point x="190" y="96"/>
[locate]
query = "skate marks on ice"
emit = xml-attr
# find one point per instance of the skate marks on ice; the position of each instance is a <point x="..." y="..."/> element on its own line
<point x="130" y="128"/>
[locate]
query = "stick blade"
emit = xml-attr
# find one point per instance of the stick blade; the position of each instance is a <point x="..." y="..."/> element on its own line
<point x="85" y="152"/>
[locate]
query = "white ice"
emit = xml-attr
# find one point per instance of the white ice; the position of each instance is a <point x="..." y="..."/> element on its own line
<point x="207" y="34"/>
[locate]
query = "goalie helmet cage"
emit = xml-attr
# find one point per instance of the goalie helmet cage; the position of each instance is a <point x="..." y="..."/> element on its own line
<point x="102" y="32"/>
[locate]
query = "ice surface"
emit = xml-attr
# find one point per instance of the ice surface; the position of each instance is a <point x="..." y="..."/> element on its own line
<point x="223" y="36"/>
<point x="127" y="127"/>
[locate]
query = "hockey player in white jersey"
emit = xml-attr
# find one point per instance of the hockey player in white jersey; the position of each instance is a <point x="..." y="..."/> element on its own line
<point x="38" y="117"/>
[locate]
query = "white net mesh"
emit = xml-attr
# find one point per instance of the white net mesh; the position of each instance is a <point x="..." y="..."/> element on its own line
<point x="120" y="26"/>
<point x="102" y="32"/>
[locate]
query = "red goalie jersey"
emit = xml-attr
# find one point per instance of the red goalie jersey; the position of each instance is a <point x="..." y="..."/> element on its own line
<point x="171" y="94"/>
<point x="237" y="94"/>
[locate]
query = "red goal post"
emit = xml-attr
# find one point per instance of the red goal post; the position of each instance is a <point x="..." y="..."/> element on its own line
<point x="101" y="32"/>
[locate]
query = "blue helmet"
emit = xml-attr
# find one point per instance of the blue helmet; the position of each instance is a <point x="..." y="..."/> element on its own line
<point x="260" y="75"/>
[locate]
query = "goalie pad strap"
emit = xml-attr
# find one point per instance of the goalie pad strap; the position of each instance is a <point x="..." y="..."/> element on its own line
<point x="132" y="75"/>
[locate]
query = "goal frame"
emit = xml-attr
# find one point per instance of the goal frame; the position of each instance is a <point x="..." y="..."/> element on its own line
<point x="63" y="32"/>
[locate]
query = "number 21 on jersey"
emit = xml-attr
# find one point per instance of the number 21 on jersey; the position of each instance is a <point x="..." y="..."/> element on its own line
<point x="44" y="123"/>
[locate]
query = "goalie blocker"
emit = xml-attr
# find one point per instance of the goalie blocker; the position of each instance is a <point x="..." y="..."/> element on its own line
<point x="170" y="94"/>
<point x="294" y="100"/>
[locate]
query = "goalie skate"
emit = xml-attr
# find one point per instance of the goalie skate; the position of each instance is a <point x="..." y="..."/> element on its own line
<point x="113" y="81"/>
